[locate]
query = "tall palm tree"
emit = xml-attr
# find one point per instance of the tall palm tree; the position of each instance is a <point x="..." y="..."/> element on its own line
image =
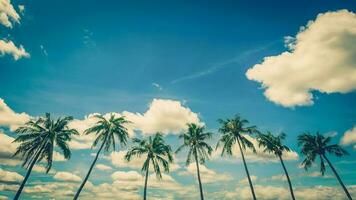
<point x="233" y="131"/>
<point x="195" y="140"/>
<point x="274" y="144"/>
<point x="107" y="131"/>
<point x="38" y="138"/>
<point x="317" y="145"/>
<point x="157" y="153"/>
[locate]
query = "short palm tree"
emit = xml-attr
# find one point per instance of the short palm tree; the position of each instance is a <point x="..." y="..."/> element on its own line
<point x="274" y="144"/>
<point x="317" y="145"/>
<point x="107" y="131"/>
<point x="157" y="153"/>
<point x="38" y="138"/>
<point x="233" y="131"/>
<point x="195" y="140"/>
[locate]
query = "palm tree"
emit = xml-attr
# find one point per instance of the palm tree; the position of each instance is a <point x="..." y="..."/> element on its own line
<point x="234" y="130"/>
<point x="273" y="144"/>
<point x="318" y="145"/>
<point x="195" y="139"/>
<point x="107" y="131"/>
<point x="157" y="153"/>
<point x="37" y="139"/>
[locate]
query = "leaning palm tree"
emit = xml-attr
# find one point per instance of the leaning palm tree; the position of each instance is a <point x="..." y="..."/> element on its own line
<point x="313" y="146"/>
<point x="195" y="140"/>
<point x="273" y="144"/>
<point x="107" y="131"/>
<point x="38" y="138"/>
<point x="157" y="153"/>
<point x="234" y="131"/>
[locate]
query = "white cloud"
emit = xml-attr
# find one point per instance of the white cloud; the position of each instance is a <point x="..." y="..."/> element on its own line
<point x="7" y="13"/>
<point x="163" y="115"/>
<point x="67" y="176"/>
<point x="158" y="86"/>
<point x="7" y="149"/>
<point x="10" y="177"/>
<point x="21" y="8"/>
<point x="8" y="47"/>
<point x="320" y="58"/>
<point x="244" y="181"/>
<point x="349" y="137"/>
<point x="10" y="118"/>
<point x="103" y="167"/>
<point x="250" y="156"/>
<point x="58" y="156"/>
<point x="207" y="175"/>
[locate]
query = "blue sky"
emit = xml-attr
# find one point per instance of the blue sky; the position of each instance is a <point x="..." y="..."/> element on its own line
<point x="116" y="56"/>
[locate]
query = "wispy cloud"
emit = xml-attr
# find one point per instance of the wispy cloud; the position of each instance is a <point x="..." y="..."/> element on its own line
<point x="218" y="66"/>
<point x="158" y="86"/>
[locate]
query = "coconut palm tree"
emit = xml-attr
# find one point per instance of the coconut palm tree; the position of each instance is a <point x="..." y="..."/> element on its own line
<point x="157" y="153"/>
<point x="195" y="140"/>
<point x="107" y="131"/>
<point x="234" y="131"/>
<point x="274" y="144"/>
<point x="317" y="145"/>
<point x="38" y="138"/>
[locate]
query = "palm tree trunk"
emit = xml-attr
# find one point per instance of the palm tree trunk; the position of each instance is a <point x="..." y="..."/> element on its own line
<point x="146" y="180"/>
<point x="247" y="173"/>
<point x="288" y="179"/>
<point x="198" y="172"/>
<point x="18" y="193"/>
<point x="90" y="169"/>
<point x="338" y="178"/>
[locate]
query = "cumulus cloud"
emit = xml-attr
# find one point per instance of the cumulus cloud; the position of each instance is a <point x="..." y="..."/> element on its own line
<point x="67" y="176"/>
<point x="103" y="167"/>
<point x="349" y="137"/>
<point x="259" y="156"/>
<point x="9" y="118"/>
<point x="10" y="177"/>
<point x="321" y="57"/>
<point x="8" y="47"/>
<point x="244" y="181"/>
<point x="7" y="149"/>
<point x="207" y="175"/>
<point x="8" y="14"/>
<point x="163" y="115"/>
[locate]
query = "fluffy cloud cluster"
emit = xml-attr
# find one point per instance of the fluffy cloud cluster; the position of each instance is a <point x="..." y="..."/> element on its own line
<point x="259" y="156"/>
<point x="10" y="118"/>
<point x="67" y="176"/>
<point x="207" y="175"/>
<point x="349" y="137"/>
<point x="321" y="57"/>
<point x="10" y="177"/>
<point x="163" y="115"/>
<point x="7" y="15"/>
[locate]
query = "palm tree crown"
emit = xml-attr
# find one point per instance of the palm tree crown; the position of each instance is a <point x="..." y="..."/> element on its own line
<point x="313" y="146"/>
<point x="107" y="131"/>
<point x="272" y="144"/>
<point x="318" y="145"/>
<point x="38" y="138"/>
<point x="157" y="153"/>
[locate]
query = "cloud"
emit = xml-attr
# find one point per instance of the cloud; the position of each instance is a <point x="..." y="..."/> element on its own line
<point x="8" y="13"/>
<point x="103" y="167"/>
<point x="321" y="57"/>
<point x="207" y="175"/>
<point x="259" y="156"/>
<point x="10" y="177"/>
<point x="9" y="118"/>
<point x="244" y="181"/>
<point x="8" y="47"/>
<point x="21" y="8"/>
<point x="67" y="176"/>
<point x="163" y="115"/>
<point x="158" y="86"/>
<point x="7" y="149"/>
<point x="349" y="137"/>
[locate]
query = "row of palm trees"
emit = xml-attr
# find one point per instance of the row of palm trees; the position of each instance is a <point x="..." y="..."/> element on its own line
<point x="39" y="137"/>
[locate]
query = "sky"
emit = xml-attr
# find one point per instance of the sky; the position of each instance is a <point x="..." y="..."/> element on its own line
<point x="286" y="66"/>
